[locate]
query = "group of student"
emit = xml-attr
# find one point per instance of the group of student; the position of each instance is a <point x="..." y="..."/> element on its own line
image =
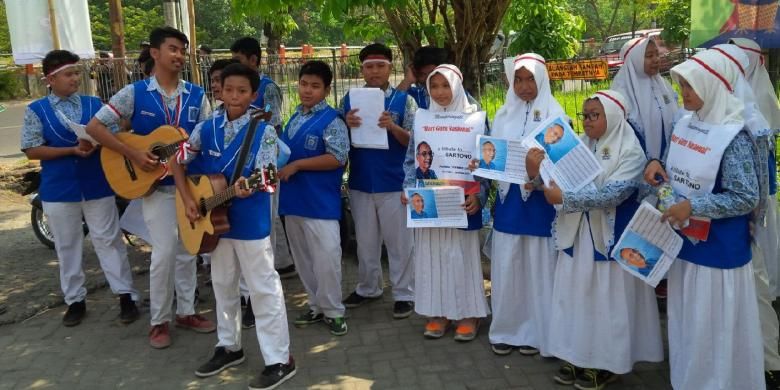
<point x="554" y="290"/>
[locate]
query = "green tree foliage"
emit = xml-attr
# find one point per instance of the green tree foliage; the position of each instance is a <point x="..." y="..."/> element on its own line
<point x="216" y="29"/>
<point x="675" y="18"/>
<point x="545" y="27"/>
<point x="609" y="17"/>
<point x="5" y="35"/>
<point x="140" y="17"/>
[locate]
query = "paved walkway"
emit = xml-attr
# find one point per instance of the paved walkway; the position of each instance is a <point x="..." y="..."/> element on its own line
<point x="378" y="353"/>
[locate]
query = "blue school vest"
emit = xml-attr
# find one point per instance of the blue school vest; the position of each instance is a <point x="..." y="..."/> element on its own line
<point x="772" y="171"/>
<point x="149" y="111"/>
<point x="69" y="178"/>
<point x="533" y="217"/>
<point x="260" y="100"/>
<point x="377" y="170"/>
<point x="420" y="96"/>
<point x="728" y="245"/>
<point x="311" y="194"/>
<point x="250" y="218"/>
<point x="623" y="214"/>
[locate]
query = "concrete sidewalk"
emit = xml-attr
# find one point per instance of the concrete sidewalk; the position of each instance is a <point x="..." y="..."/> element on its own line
<point x="378" y="353"/>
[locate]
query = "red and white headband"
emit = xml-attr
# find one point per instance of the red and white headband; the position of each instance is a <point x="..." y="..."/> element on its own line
<point x="734" y="60"/>
<point x="61" y="68"/>
<point x="376" y="58"/>
<point x="451" y="69"/>
<point x="527" y="57"/>
<point x="614" y="100"/>
<point x="714" y="73"/>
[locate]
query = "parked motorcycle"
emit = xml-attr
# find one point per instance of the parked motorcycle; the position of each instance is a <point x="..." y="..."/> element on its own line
<point x="38" y="218"/>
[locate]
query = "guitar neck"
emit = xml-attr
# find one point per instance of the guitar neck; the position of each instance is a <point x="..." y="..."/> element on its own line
<point x="163" y="152"/>
<point x="219" y="199"/>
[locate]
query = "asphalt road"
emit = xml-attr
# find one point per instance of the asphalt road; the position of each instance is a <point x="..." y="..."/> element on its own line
<point x="10" y="127"/>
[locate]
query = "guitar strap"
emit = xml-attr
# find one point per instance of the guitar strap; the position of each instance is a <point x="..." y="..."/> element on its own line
<point x="246" y="144"/>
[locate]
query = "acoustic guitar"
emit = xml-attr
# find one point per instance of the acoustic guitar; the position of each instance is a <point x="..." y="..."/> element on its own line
<point x="211" y="193"/>
<point x="130" y="181"/>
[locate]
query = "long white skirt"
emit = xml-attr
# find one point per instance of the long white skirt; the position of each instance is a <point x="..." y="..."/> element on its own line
<point x="768" y="239"/>
<point x="448" y="274"/>
<point x="522" y="274"/>
<point x="714" y="331"/>
<point x="602" y="317"/>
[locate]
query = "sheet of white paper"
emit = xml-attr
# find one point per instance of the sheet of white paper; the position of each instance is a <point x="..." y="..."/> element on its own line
<point x="81" y="132"/>
<point x="370" y="103"/>
<point x="436" y="207"/>
<point x="648" y="246"/>
<point x="508" y="163"/>
<point x="567" y="160"/>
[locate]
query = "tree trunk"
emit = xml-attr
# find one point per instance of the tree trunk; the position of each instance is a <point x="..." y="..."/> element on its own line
<point x="117" y="28"/>
<point x="274" y="38"/>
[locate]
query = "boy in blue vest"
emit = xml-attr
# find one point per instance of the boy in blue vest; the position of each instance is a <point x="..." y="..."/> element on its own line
<point x="310" y="199"/>
<point x="215" y="81"/>
<point x="73" y="187"/>
<point x="375" y="186"/>
<point x="425" y="60"/>
<point x="248" y="51"/>
<point x="246" y="248"/>
<point x="162" y="99"/>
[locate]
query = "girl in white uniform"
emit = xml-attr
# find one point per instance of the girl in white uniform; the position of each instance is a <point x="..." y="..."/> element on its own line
<point x="714" y="331"/>
<point x="603" y="318"/>
<point x="523" y="254"/>
<point x="447" y="268"/>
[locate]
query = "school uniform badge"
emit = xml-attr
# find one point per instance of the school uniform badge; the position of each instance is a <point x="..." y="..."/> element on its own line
<point x="605" y="153"/>
<point x="192" y="114"/>
<point x="666" y="99"/>
<point x="537" y="116"/>
<point x="311" y="142"/>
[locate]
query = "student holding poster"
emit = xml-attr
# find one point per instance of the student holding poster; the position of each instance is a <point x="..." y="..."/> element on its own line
<point x="448" y="273"/>
<point x="712" y="294"/>
<point x="589" y="286"/>
<point x="375" y="182"/>
<point x="523" y="254"/>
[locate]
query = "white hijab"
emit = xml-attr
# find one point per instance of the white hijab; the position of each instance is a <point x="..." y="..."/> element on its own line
<point x="622" y="159"/>
<point x="713" y="78"/>
<point x="460" y="102"/>
<point x="758" y="78"/>
<point x="515" y="119"/>
<point x="647" y="95"/>
<point x="754" y="119"/>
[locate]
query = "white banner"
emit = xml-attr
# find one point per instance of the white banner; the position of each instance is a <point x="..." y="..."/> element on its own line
<point x="31" y="39"/>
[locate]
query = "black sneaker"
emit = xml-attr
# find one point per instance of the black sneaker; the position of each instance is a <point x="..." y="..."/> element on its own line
<point x="248" y="316"/>
<point x="287" y="272"/>
<point x="355" y="300"/>
<point x="337" y="325"/>
<point x="593" y="379"/>
<point x="527" y="350"/>
<point x="273" y="376"/>
<point x="221" y="360"/>
<point x="772" y="379"/>
<point x="308" y="318"/>
<point x="501" y="349"/>
<point x="74" y="315"/>
<point x="128" y="311"/>
<point x="402" y="309"/>
<point x="567" y="374"/>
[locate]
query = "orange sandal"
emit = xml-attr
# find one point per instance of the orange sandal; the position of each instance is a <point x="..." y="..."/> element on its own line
<point x="436" y="328"/>
<point x="467" y="329"/>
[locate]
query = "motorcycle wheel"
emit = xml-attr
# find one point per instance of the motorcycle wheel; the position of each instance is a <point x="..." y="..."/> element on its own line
<point x="41" y="227"/>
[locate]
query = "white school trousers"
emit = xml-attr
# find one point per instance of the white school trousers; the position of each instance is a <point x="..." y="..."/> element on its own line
<point x="768" y="239"/>
<point x="766" y="313"/>
<point x="254" y="259"/>
<point x="171" y="267"/>
<point x="282" y="256"/>
<point x="316" y="250"/>
<point x="381" y="217"/>
<point x="714" y="330"/>
<point x="64" y="219"/>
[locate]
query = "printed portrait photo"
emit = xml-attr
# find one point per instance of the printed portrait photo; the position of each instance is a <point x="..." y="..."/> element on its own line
<point x="638" y="254"/>
<point x="422" y="203"/>
<point x="492" y="154"/>
<point x="556" y="141"/>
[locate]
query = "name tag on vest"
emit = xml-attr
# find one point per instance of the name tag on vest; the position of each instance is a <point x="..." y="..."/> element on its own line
<point x="192" y="114"/>
<point x="147" y="113"/>
<point x="214" y="153"/>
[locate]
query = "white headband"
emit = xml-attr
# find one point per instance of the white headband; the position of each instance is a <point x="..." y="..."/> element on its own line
<point x="61" y="68"/>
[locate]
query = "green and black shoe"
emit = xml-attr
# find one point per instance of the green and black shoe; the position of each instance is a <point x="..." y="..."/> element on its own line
<point x="308" y="318"/>
<point x="337" y="325"/>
